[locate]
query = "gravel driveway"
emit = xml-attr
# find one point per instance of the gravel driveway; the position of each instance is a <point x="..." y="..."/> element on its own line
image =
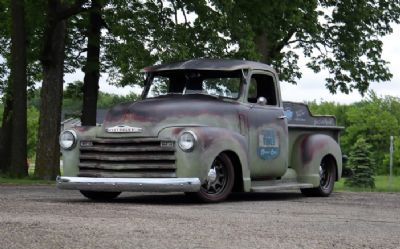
<point x="44" y="217"/>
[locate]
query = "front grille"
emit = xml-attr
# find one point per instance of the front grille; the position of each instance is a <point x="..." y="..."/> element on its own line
<point x="133" y="157"/>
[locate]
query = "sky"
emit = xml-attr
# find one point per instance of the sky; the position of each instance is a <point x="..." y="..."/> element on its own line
<point x="311" y="86"/>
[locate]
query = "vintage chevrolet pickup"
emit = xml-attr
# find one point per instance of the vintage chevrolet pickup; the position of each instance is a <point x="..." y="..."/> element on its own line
<point x="204" y="127"/>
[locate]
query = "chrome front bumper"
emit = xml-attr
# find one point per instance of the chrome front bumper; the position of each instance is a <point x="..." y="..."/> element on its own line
<point x="129" y="184"/>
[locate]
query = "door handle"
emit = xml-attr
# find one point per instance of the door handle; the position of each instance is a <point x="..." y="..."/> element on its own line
<point x="282" y="117"/>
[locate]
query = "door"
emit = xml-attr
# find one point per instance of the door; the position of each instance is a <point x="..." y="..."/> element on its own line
<point x="268" y="130"/>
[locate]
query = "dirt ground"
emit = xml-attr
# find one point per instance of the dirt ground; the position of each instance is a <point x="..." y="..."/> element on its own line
<point x="45" y="217"/>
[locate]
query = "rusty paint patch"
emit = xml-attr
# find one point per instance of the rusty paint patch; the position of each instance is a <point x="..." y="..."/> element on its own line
<point x="83" y="128"/>
<point x="309" y="147"/>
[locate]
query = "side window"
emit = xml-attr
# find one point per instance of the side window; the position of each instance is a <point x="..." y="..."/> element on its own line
<point x="262" y="86"/>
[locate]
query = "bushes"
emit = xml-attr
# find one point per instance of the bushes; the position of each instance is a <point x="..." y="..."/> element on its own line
<point x="362" y="165"/>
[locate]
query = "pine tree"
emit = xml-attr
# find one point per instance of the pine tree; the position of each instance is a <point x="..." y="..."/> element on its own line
<point x="361" y="163"/>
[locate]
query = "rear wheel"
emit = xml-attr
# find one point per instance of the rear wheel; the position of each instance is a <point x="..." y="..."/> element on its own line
<point x="100" y="196"/>
<point x="219" y="182"/>
<point x="327" y="177"/>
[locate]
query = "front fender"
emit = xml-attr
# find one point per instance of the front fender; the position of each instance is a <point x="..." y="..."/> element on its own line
<point x="308" y="152"/>
<point x="211" y="142"/>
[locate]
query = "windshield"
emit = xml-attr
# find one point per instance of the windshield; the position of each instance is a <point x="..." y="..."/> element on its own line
<point x="214" y="83"/>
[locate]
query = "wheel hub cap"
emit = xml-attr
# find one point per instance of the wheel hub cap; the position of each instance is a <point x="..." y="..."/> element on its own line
<point x="212" y="175"/>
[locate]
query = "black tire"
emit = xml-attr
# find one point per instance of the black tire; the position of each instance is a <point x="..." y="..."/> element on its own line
<point x="327" y="180"/>
<point x="100" y="196"/>
<point x="220" y="188"/>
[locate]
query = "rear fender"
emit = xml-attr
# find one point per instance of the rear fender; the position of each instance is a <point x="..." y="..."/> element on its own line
<point x="308" y="152"/>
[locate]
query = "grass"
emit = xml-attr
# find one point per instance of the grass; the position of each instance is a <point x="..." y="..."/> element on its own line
<point x="29" y="180"/>
<point x="381" y="185"/>
<point x="24" y="181"/>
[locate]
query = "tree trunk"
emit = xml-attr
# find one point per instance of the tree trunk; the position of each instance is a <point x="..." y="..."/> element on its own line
<point x="52" y="59"/>
<point x="92" y="67"/>
<point x="5" y="136"/>
<point x="18" y="160"/>
<point x="48" y="149"/>
<point x="263" y="47"/>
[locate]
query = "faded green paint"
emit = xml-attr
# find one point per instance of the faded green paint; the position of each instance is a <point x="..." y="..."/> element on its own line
<point x="225" y="125"/>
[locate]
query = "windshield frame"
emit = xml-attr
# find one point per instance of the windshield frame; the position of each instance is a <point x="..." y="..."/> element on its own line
<point x="150" y="77"/>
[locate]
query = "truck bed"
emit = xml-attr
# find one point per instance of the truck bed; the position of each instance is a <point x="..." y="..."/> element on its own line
<point x="301" y="122"/>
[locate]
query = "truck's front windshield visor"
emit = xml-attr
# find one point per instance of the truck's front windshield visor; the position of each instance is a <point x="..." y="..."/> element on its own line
<point x="226" y="84"/>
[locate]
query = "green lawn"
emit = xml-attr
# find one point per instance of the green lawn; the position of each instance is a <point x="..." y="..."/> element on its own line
<point x="24" y="181"/>
<point x="381" y="185"/>
<point x="29" y="180"/>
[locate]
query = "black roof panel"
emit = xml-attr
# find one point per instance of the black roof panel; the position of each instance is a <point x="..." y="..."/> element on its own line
<point x="209" y="64"/>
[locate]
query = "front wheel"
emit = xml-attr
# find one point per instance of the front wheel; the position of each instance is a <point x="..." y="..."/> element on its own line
<point x="327" y="178"/>
<point x="219" y="182"/>
<point x="100" y="196"/>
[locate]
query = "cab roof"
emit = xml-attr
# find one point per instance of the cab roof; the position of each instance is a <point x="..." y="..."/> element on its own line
<point x="209" y="64"/>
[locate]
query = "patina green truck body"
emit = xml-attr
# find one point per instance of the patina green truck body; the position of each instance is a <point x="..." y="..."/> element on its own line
<point x="270" y="144"/>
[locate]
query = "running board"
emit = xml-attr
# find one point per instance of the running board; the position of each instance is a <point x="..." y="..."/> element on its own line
<point x="265" y="186"/>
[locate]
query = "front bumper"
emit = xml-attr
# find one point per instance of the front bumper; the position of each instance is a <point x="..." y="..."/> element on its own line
<point x="129" y="184"/>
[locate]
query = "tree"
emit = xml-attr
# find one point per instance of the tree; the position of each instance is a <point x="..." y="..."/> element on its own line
<point x="52" y="60"/>
<point x="372" y="120"/>
<point x="342" y="37"/>
<point x="144" y="33"/>
<point x="17" y="71"/>
<point x="5" y="40"/>
<point x="92" y="67"/>
<point x="362" y="165"/>
<point x="18" y="155"/>
<point x="13" y="79"/>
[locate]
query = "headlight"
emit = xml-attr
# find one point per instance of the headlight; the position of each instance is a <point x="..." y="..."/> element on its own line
<point x="187" y="141"/>
<point x="67" y="139"/>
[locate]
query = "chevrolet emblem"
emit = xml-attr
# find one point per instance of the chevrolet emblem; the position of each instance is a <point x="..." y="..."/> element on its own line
<point x="124" y="129"/>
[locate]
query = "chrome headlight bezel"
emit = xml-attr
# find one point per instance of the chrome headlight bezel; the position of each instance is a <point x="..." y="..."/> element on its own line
<point x="69" y="145"/>
<point x="187" y="141"/>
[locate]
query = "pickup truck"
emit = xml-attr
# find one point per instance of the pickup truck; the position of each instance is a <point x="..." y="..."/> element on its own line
<point x="205" y="127"/>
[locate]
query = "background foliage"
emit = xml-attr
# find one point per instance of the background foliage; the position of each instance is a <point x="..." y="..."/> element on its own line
<point x="341" y="37"/>
<point x="375" y="119"/>
<point x="72" y="104"/>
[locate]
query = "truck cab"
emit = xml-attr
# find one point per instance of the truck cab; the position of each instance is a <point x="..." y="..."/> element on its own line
<point x="204" y="127"/>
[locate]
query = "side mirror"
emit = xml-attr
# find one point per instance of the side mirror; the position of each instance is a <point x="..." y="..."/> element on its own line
<point x="262" y="101"/>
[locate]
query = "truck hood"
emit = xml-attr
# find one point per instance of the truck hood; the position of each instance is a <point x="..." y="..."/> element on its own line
<point x="154" y="114"/>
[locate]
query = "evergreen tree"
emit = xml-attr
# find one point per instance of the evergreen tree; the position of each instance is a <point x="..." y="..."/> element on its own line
<point x="362" y="165"/>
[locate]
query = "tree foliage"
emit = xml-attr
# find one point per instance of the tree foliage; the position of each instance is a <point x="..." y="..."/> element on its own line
<point x="73" y="93"/>
<point x="144" y="33"/>
<point x="342" y="37"/>
<point x="375" y="119"/>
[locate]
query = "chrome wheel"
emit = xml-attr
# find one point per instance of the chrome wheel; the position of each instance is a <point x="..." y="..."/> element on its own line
<point x="327" y="177"/>
<point x="217" y="178"/>
<point x="219" y="182"/>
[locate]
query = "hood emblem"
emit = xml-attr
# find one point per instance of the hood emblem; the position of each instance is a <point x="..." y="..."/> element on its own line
<point x="124" y="129"/>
